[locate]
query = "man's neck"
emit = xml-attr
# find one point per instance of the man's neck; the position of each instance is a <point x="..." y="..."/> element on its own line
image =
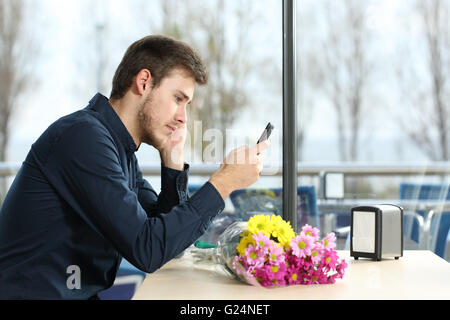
<point x="125" y="112"/>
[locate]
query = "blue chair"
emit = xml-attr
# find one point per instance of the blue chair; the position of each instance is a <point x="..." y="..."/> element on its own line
<point x="440" y="227"/>
<point x="246" y="202"/>
<point x="193" y="188"/>
<point x="249" y="201"/>
<point x="447" y="248"/>
<point x="308" y="213"/>
<point x="128" y="280"/>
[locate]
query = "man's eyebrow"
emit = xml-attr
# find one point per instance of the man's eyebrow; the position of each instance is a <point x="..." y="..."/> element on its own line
<point x="185" y="96"/>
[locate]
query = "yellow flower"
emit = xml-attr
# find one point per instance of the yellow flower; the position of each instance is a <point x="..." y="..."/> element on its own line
<point x="282" y="230"/>
<point x="260" y="223"/>
<point x="243" y="244"/>
<point x="244" y="233"/>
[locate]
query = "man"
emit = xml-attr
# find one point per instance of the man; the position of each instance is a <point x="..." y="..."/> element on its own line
<point x="79" y="202"/>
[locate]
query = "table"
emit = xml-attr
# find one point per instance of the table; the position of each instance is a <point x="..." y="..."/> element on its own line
<point x="419" y="274"/>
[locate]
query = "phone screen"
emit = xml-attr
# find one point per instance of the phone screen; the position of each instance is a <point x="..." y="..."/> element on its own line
<point x="266" y="133"/>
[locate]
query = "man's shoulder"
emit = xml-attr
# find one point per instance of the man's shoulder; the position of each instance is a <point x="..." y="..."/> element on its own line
<point x="78" y="119"/>
<point x="76" y="128"/>
<point x="78" y="125"/>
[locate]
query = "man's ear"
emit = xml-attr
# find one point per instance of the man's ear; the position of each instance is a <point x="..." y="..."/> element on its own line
<point x="143" y="81"/>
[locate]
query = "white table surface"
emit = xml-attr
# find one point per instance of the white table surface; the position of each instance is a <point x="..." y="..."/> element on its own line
<point x="419" y="274"/>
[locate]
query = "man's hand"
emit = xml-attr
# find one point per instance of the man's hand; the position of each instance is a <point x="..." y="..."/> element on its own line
<point x="172" y="151"/>
<point x="240" y="169"/>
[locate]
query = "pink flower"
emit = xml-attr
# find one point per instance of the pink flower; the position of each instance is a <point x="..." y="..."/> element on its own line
<point x="329" y="259"/>
<point x="332" y="278"/>
<point x="293" y="275"/>
<point x="240" y="265"/>
<point x="262" y="277"/>
<point x="276" y="273"/>
<point x="237" y="265"/>
<point x="307" y="230"/>
<point x="316" y="253"/>
<point x="262" y="241"/>
<point x="276" y="254"/>
<point x="329" y="241"/>
<point x="307" y="264"/>
<point x="341" y="267"/>
<point x="293" y="260"/>
<point x="254" y="256"/>
<point x="301" y="245"/>
<point x="271" y="275"/>
<point x="252" y="269"/>
<point x="318" y="277"/>
<point x="306" y="278"/>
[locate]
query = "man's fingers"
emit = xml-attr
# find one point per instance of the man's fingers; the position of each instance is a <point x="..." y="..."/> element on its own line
<point x="247" y="155"/>
<point x="260" y="147"/>
<point x="259" y="158"/>
<point x="260" y="162"/>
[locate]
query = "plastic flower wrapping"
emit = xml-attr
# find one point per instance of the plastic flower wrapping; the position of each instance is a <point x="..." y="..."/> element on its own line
<point x="266" y="252"/>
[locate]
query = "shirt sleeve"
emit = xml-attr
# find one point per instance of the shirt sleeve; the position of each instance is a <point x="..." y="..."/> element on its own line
<point x="173" y="190"/>
<point x="84" y="168"/>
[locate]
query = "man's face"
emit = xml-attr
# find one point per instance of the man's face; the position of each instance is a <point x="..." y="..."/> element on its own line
<point x="164" y="109"/>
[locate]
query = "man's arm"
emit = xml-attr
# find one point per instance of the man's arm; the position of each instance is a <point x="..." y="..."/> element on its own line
<point x="173" y="190"/>
<point x="84" y="166"/>
<point x="174" y="176"/>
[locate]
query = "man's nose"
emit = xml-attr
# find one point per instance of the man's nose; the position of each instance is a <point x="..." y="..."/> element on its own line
<point x="181" y="115"/>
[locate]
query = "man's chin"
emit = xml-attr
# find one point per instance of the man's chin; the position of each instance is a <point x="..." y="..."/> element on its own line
<point x="158" y="143"/>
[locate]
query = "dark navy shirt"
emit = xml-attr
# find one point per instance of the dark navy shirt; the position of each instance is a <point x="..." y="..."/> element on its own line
<point x="79" y="199"/>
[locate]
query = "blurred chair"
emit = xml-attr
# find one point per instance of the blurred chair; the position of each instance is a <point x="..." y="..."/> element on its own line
<point x="270" y="201"/>
<point x="308" y="213"/>
<point x="447" y="248"/>
<point x="192" y="188"/>
<point x="247" y="202"/>
<point x="128" y="280"/>
<point x="438" y="225"/>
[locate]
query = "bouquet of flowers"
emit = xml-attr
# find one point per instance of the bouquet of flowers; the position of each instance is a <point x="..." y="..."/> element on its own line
<point x="265" y="251"/>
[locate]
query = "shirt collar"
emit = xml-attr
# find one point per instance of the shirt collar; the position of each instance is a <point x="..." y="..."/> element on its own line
<point x="100" y="104"/>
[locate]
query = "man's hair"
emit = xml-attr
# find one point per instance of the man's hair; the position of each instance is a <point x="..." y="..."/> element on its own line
<point x="160" y="55"/>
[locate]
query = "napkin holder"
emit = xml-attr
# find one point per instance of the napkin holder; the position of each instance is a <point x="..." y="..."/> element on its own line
<point x="376" y="232"/>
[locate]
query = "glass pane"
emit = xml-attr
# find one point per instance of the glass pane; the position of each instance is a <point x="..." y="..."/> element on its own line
<point x="373" y="99"/>
<point x="240" y="43"/>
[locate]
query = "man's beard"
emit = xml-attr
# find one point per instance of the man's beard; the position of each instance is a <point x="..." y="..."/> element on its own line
<point x="145" y="122"/>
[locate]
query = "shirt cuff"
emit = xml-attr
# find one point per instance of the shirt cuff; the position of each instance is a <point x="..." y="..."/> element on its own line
<point x="207" y="200"/>
<point x="174" y="182"/>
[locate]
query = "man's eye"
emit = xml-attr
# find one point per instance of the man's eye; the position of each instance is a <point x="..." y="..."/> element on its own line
<point x="178" y="99"/>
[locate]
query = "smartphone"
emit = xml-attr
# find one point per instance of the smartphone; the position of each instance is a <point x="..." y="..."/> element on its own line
<point x="266" y="133"/>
